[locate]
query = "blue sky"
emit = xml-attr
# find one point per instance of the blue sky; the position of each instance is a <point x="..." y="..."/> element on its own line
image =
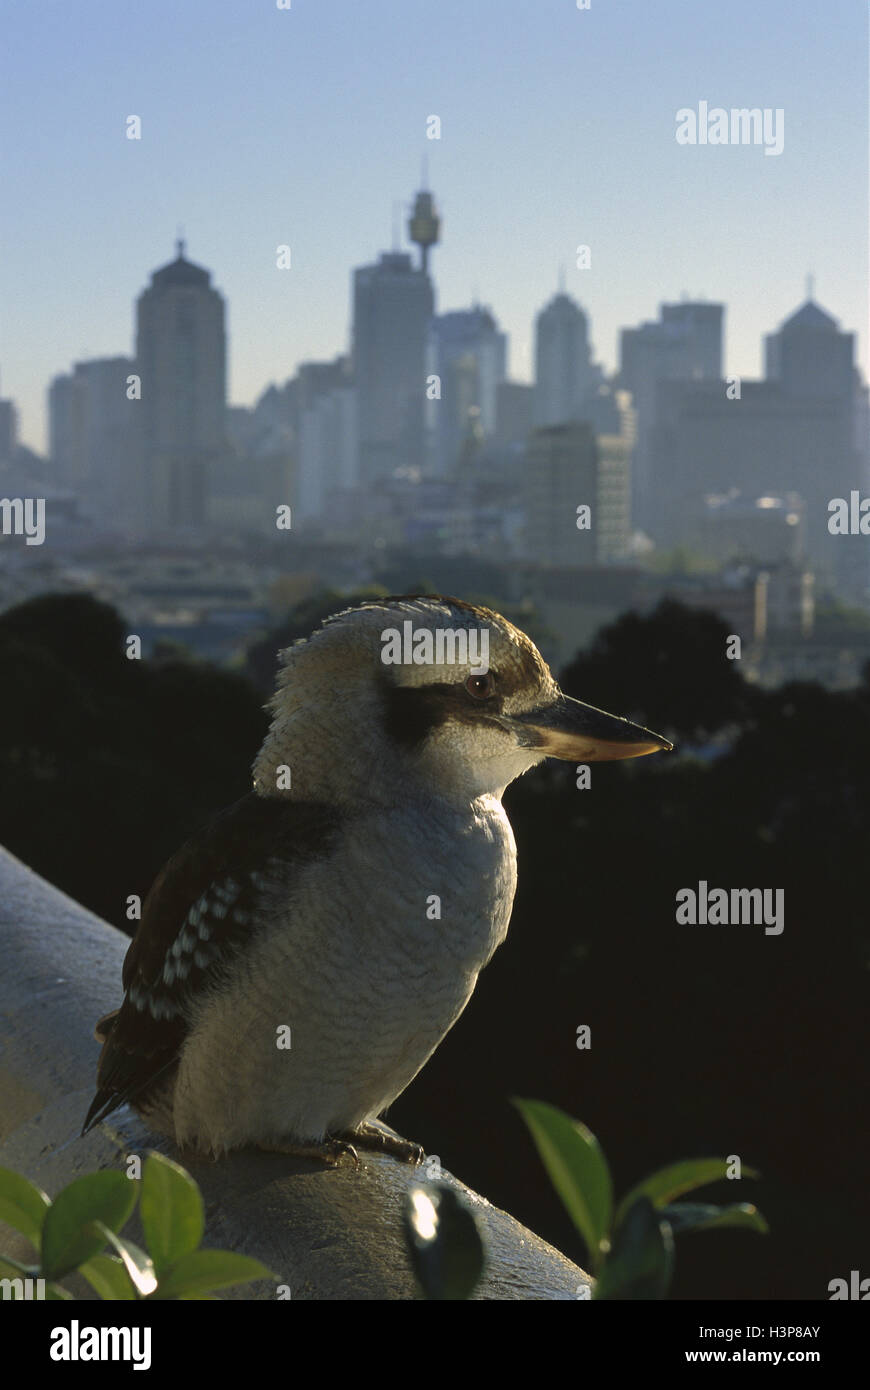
<point x="304" y="126"/>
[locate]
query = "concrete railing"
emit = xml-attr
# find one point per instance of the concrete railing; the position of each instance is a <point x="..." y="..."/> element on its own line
<point x="329" y="1234"/>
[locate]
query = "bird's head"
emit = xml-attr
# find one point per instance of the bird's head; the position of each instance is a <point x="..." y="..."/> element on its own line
<point x="431" y="690"/>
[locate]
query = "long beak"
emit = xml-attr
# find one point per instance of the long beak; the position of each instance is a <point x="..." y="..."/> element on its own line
<point x="571" y="730"/>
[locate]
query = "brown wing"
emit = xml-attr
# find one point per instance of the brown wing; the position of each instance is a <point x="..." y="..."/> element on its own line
<point x="204" y="906"/>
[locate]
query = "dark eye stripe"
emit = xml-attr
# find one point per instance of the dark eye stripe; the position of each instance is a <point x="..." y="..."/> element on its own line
<point x="413" y="712"/>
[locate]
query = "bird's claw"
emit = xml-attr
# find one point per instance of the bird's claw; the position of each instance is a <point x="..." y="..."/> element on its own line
<point x="335" y="1150"/>
<point x="367" y="1136"/>
<point x="330" y="1153"/>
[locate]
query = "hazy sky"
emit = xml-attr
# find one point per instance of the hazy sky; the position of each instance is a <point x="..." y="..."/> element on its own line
<point x="304" y="126"/>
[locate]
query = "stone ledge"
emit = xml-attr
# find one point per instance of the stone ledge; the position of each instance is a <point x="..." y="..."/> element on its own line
<point x="329" y="1234"/>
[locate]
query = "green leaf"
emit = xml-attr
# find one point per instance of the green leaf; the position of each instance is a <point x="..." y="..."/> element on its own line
<point x="54" y="1293"/>
<point x="641" y="1259"/>
<point x="697" y="1216"/>
<point x="443" y="1241"/>
<point x="661" y="1187"/>
<point x="137" y="1263"/>
<point x="171" y="1209"/>
<point x="108" y="1277"/>
<point x="202" y="1270"/>
<point x="22" y="1205"/>
<point x="66" y="1242"/>
<point x="577" y="1168"/>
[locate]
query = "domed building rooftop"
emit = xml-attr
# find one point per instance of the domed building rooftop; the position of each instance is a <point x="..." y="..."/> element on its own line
<point x="180" y="272"/>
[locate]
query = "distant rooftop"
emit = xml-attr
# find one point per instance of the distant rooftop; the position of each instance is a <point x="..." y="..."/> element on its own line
<point x="809" y="315"/>
<point x="180" y="272"/>
<point x="563" y="304"/>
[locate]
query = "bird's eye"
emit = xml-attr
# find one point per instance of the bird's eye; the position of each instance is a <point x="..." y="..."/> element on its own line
<point x="481" y="687"/>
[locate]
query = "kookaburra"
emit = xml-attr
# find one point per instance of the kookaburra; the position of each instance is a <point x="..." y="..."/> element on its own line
<point x="300" y="959"/>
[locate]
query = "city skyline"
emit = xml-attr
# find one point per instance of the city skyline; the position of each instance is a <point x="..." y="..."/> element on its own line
<point x="530" y="379"/>
<point x="555" y="132"/>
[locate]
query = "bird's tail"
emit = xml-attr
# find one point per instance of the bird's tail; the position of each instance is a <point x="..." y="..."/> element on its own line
<point x="103" y="1103"/>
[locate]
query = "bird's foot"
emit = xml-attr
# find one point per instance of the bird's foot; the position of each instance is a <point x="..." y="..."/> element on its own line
<point x="369" y="1136"/>
<point x="332" y="1152"/>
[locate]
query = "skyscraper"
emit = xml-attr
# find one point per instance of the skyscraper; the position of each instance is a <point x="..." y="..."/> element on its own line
<point x="794" y="432"/>
<point x="325" y="426"/>
<point x="8" y="430"/>
<point x="67" y="433"/>
<point x="94" y="441"/>
<point x="181" y="358"/>
<point x="468" y="353"/>
<point x="810" y="356"/>
<point x="326" y="452"/>
<point x="567" y="469"/>
<point x="684" y="344"/>
<point x="393" y="305"/>
<point x="564" y="375"/>
<point x="514" y="412"/>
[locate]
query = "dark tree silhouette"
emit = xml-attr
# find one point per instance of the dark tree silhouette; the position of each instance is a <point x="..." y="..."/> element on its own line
<point x="108" y="764"/>
<point x="668" y="671"/>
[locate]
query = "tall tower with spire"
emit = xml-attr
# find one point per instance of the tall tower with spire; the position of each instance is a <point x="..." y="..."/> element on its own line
<point x="424" y="225"/>
<point x="393" y="304"/>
